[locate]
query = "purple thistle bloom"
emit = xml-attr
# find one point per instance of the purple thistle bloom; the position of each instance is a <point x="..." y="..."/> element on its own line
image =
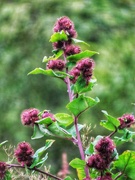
<point x="105" y="147"/>
<point x="24" y="153"/>
<point x="29" y="116"/>
<point x="72" y="49"/>
<point x="96" y="161"/>
<point x="126" y="121"/>
<point x="65" y="24"/>
<point x="56" y="64"/>
<point x="2" y="170"/>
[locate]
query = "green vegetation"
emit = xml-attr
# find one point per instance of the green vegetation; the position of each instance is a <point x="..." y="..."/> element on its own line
<point x="25" y="28"/>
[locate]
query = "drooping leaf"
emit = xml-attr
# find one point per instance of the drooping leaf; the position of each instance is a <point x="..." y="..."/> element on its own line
<point x="126" y="164"/>
<point x="111" y="123"/>
<point x="40" y="155"/>
<point x="81" y="55"/>
<point x="59" y="36"/>
<point x="58" y="131"/>
<point x="127" y="136"/>
<point x="80" y="104"/>
<point x="80" y="41"/>
<point x="79" y="165"/>
<point x="81" y="86"/>
<point x="45" y="121"/>
<point x="64" y="119"/>
<point x="2" y="143"/>
<point x="54" y="57"/>
<point x="37" y="133"/>
<point x="49" y="72"/>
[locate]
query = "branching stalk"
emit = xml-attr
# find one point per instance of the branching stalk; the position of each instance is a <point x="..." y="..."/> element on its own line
<point x="35" y="169"/>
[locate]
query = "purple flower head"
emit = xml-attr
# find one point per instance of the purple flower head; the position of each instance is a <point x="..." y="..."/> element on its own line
<point x="24" y="153"/>
<point x="48" y="114"/>
<point x="98" y="162"/>
<point x="56" y="64"/>
<point x="107" y="176"/>
<point x="72" y="49"/>
<point x="105" y="147"/>
<point x="64" y="23"/>
<point x="29" y="116"/>
<point x="84" y="64"/>
<point x="126" y="121"/>
<point x="2" y="170"/>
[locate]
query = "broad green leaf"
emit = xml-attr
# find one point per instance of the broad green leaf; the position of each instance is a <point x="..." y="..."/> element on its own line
<point x="80" y="104"/>
<point x="79" y="165"/>
<point x="80" y="41"/>
<point x="39" y="157"/>
<point x="59" y="36"/>
<point x="72" y="129"/>
<point x="64" y="119"/>
<point x="37" y="133"/>
<point x="126" y="164"/>
<point x="1" y="144"/>
<point x="58" y="131"/>
<point x="111" y="123"/>
<point x="49" y="72"/>
<point x="45" y="121"/>
<point x="54" y="57"/>
<point x="81" y="55"/>
<point x="81" y="86"/>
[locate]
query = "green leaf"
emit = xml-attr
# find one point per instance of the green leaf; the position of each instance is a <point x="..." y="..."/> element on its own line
<point x="80" y="41"/>
<point x="81" y="86"/>
<point x="80" y="104"/>
<point x="38" y="157"/>
<point x="54" y="57"/>
<point x="68" y="178"/>
<point x="72" y="130"/>
<point x="55" y="129"/>
<point x="45" y="121"/>
<point x="79" y="165"/>
<point x="7" y="176"/>
<point x="1" y="144"/>
<point x="111" y="123"/>
<point x="127" y="136"/>
<point x="90" y="149"/>
<point x="59" y="36"/>
<point x="126" y="164"/>
<point x="81" y="55"/>
<point x="64" y="119"/>
<point x="37" y="133"/>
<point x="49" y="72"/>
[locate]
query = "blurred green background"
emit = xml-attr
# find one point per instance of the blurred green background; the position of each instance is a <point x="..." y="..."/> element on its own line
<point x="25" y="29"/>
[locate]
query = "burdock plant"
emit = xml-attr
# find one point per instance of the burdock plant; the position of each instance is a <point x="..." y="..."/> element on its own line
<point x="100" y="159"/>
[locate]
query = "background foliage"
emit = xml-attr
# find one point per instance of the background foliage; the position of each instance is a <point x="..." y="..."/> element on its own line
<point x="25" y="29"/>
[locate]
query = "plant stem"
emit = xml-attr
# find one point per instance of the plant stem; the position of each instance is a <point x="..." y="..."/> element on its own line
<point x="35" y="169"/>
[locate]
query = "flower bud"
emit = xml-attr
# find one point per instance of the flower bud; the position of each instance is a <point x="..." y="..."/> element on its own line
<point x="126" y="121"/>
<point x="48" y="114"/>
